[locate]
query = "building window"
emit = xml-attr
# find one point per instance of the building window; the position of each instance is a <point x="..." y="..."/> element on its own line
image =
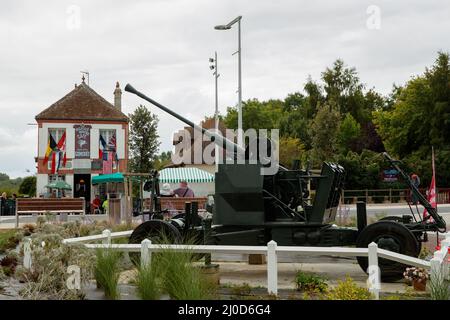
<point x="56" y="134"/>
<point x="56" y="177"/>
<point x="108" y="143"/>
<point x="109" y="137"/>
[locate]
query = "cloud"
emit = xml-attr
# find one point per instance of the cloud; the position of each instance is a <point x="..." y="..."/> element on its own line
<point x="162" y="48"/>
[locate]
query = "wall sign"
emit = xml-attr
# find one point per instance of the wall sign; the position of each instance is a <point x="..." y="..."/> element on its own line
<point x="82" y="141"/>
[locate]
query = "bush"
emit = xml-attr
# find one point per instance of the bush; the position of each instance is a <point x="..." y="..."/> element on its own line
<point x="107" y="272"/>
<point x="148" y="286"/>
<point x="9" y="263"/>
<point x="9" y="240"/>
<point x="180" y="279"/>
<point x="310" y="282"/>
<point x="348" y="290"/>
<point x="47" y="279"/>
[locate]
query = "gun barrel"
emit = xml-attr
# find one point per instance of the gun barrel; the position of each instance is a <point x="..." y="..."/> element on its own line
<point x="215" y="137"/>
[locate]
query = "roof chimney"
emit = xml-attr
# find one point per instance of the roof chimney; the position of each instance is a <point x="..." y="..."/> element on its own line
<point x="118" y="97"/>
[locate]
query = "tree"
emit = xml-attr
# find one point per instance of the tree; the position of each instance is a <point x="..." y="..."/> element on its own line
<point x="324" y="133"/>
<point x="290" y="149"/>
<point x="28" y="186"/>
<point x="349" y="131"/>
<point x="144" y="142"/>
<point x="418" y="118"/>
<point x="162" y="160"/>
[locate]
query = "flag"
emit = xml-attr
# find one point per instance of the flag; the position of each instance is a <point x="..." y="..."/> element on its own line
<point x="53" y="162"/>
<point x="51" y="145"/>
<point x="107" y="165"/>
<point x="62" y="147"/>
<point x="58" y="161"/>
<point x="113" y="146"/>
<point x="102" y="147"/>
<point x="431" y="194"/>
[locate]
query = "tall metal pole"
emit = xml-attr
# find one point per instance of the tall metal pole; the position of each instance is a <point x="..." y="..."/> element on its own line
<point x="240" y="131"/>
<point x="216" y="114"/>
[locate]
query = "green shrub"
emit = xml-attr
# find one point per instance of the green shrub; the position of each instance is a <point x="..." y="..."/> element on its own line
<point x="107" y="271"/>
<point x="310" y="282"/>
<point x="181" y="280"/>
<point x="348" y="290"/>
<point x="147" y="282"/>
<point x="9" y="239"/>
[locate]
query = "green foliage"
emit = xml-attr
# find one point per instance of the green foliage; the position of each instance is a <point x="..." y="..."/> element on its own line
<point x="180" y="279"/>
<point x="148" y="285"/>
<point x="290" y="149"/>
<point x="9" y="239"/>
<point x="310" y="282"/>
<point x="8" y="185"/>
<point x="349" y="131"/>
<point x="348" y="290"/>
<point x="324" y="130"/>
<point x="162" y="160"/>
<point x="418" y="118"/>
<point x="28" y="186"/>
<point x="107" y="271"/>
<point x="143" y="139"/>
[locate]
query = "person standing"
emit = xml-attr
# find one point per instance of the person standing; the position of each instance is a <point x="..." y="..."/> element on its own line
<point x="3" y="199"/>
<point x="415" y="180"/>
<point x="184" y="191"/>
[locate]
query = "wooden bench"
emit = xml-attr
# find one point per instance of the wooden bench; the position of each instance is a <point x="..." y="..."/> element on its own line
<point x="43" y="205"/>
<point x="177" y="203"/>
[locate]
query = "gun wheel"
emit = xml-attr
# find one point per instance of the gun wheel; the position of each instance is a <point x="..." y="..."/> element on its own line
<point x="158" y="231"/>
<point x="392" y="236"/>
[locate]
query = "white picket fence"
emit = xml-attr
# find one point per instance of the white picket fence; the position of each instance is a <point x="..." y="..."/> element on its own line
<point x="438" y="265"/>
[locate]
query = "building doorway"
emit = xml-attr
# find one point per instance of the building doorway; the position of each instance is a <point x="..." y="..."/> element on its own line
<point x="82" y="187"/>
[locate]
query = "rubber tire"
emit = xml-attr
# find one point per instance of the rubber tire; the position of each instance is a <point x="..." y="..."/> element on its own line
<point x="152" y="230"/>
<point x="390" y="270"/>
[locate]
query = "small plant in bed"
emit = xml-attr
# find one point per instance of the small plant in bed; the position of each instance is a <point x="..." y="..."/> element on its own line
<point x="148" y="284"/>
<point x="310" y="282"/>
<point x="107" y="272"/>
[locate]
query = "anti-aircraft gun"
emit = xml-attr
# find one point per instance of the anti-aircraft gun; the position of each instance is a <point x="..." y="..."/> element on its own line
<point x="251" y="208"/>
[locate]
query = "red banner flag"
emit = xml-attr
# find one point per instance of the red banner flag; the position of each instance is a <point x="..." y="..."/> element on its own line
<point x="431" y="193"/>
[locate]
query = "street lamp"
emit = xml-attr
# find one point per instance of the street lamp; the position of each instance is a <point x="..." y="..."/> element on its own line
<point x="216" y="74"/>
<point x="227" y="27"/>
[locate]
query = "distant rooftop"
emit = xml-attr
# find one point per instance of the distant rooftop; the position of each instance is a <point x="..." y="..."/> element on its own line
<point x="82" y="103"/>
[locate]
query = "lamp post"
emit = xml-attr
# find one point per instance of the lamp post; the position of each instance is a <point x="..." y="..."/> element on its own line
<point x="227" y="27"/>
<point x="216" y="74"/>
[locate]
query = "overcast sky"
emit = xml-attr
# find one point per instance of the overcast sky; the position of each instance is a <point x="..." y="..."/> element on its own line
<point x="162" y="48"/>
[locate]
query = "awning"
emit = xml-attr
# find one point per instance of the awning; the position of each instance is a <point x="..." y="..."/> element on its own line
<point x="190" y="175"/>
<point x="104" y="178"/>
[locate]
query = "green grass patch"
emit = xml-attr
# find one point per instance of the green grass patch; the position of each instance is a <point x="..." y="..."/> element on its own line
<point x="107" y="272"/>
<point x="310" y="282"/>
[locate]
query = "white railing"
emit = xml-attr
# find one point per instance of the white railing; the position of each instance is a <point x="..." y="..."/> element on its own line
<point x="438" y="265"/>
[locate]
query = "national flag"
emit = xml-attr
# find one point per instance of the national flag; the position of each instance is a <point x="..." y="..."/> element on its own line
<point x="102" y="147"/>
<point x="53" y="162"/>
<point x="62" y="147"/>
<point x="113" y="146"/>
<point x="431" y="196"/>
<point x="51" y="145"/>
<point x="107" y="165"/>
<point x="58" y="157"/>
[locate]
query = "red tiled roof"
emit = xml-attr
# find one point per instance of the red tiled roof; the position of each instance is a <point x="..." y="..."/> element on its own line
<point x="82" y="103"/>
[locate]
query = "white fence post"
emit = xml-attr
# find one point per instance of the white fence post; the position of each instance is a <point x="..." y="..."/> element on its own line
<point x="373" y="282"/>
<point x="107" y="234"/>
<point x="27" y="253"/>
<point x="272" y="268"/>
<point x="437" y="276"/>
<point x="446" y="244"/>
<point x="146" y="255"/>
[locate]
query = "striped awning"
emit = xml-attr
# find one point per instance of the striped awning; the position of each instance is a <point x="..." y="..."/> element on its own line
<point x="190" y="175"/>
